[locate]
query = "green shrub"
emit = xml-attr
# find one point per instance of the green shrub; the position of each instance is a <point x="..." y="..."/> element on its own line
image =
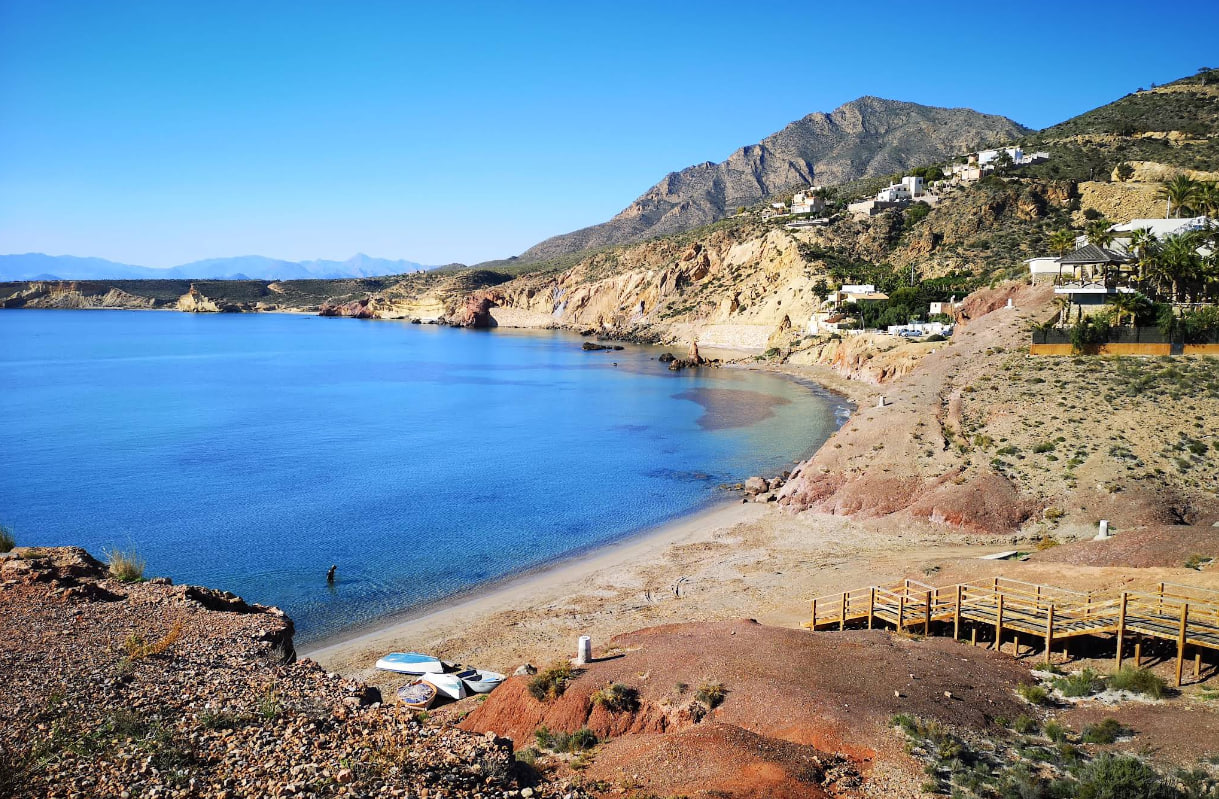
<point x="1055" y="731"/>
<point x="1024" y="725"/>
<point x="7" y="542"/>
<point x="550" y="684"/>
<point x="126" y="566"/>
<point x="1044" y="446"/>
<point x="711" y="694"/>
<point x="581" y="739"/>
<point x="1033" y="694"/>
<point x="528" y="755"/>
<point x="617" y="698"/>
<point x="1083" y="683"/>
<point x="1121" y="777"/>
<point x="1103" y="732"/>
<point x="1138" y="681"/>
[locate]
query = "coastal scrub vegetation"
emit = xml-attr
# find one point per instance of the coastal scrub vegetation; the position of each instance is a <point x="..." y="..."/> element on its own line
<point x="577" y="741"/>
<point x="126" y="566"/>
<point x="617" y="698"/>
<point x="550" y="684"/>
<point x="1024" y="759"/>
<point x="1138" y="681"/>
<point x="7" y="542"/>
<point x="711" y="694"/>
<point x="137" y="648"/>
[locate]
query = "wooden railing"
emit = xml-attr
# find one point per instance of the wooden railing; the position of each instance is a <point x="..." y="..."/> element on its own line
<point x="1188" y="615"/>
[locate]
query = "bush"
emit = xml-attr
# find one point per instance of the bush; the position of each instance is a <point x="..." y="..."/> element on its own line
<point x="1138" y="681"/>
<point x="935" y="337"/>
<point x="1103" y="732"/>
<point x="1121" y="777"/>
<point x="581" y="739"/>
<point x="1055" y="731"/>
<point x="1033" y="694"/>
<point x="1084" y="683"/>
<point x="551" y="683"/>
<point x="617" y="698"/>
<point x="7" y="542"/>
<point x="125" y="566"/>
<point x="137" y="649"/>
<point x="711" y="694"/>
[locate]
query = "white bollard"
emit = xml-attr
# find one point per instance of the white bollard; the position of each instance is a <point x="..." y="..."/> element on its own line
<point x="1009" y="303"/>
<point x="584" y="651"/>
<point x="880" y="403"/>
<point x="1103" y="534"/>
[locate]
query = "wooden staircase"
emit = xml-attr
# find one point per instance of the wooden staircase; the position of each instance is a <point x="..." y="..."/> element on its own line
<point x="1185" y="614"/>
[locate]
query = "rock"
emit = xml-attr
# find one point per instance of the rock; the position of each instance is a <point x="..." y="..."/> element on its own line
<point x="756" y="485"/>
<point x="526" y="670"/>
<point x="667" y="357"/>
<point x="694" y="358"/>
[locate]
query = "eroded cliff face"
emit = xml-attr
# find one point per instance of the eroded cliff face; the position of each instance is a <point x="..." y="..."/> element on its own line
<point x="67" y="295"/>
<point x="735" y="288"/>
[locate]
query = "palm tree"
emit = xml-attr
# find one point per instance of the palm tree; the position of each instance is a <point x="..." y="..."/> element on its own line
<point x="1099" y="233"/>
<point x="1129" y="303"/>
<point x="1180" y="261"/>
<point x="1206" y="201"/>
<point x="1180" y="192"/>
<point x="1143" y="245"/>
<point x="1061" y="242"/>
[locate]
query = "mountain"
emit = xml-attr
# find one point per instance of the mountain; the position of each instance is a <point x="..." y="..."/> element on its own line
<point x="863" y="138"/>
<point x="37" y="266"/>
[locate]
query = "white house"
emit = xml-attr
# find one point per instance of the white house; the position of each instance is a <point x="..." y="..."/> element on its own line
<point x="915" y="185"/>
<point x="898" y="192"/>
<point x="1044" y="269"/>
<point x="809" y="203"/>
<point x="986" y="156"/>
<point x="1161" y="228"/>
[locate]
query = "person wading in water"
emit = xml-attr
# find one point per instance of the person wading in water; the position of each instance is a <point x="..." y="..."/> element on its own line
<point x="330" y="575"/>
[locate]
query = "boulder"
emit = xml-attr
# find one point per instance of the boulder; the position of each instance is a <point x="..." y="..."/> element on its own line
<point x="756" y="485"/>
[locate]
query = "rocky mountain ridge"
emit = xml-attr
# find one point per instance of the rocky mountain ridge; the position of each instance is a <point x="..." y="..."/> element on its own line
<point x="863" y="138"/>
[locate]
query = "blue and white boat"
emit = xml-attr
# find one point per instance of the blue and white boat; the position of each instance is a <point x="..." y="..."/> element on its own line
<point x="410" y="663"/>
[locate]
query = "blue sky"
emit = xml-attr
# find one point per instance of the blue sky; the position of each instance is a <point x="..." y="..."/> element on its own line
<point x="163" y="132"/>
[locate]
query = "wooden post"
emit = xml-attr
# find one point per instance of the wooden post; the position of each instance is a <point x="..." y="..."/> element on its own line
<point x="956" y="616"/>
<point x="927" y="616"/>
<point x="871" y="605"/>
<point x="813" y="626"/>
<point x="1121" y="628"/>
<point x="901" y="611"/>
<point x="1039" y="597"/>
<point x="1197" y="663"/>
<point x="1138" y="652"/>
<point x="842" y="615"/>
<point x="1049" y="635"/>
<point x="999" y="626"/>
<point x="1181" y="641"/>
<point x="973" y="636"/>
<point x="1016" y="646"/>
<point x="1160" y="601"/>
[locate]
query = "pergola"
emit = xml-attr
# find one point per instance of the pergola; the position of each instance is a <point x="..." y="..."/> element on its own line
<point x="1092" y="256"/>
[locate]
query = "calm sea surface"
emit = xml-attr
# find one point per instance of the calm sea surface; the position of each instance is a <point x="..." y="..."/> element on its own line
<point x="250" y="452"/>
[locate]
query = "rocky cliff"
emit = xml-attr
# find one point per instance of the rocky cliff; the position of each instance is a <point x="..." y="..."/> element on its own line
<point x="153" y="689"/>
<point x="863" y="138"/>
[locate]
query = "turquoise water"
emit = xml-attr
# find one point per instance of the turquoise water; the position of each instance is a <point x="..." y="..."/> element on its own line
<point x="250" y="452"/>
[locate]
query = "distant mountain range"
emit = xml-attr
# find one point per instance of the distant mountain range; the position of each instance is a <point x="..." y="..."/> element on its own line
<point x="863" y="138"/>
<point x="37" y="266"/>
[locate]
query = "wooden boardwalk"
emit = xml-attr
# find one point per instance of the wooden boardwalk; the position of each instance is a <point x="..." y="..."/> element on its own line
<point x="1186" y="615"/>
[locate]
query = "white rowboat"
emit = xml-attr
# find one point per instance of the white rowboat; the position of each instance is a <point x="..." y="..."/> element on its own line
<point x="479" y="681"/>
<point x="410" y="663"/>
<point x="448" y="684"/>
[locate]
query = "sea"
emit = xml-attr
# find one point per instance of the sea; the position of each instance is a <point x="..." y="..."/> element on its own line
<point x="251" y="452"/>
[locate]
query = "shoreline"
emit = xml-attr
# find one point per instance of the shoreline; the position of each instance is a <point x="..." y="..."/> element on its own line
<point x="507" y="592"/>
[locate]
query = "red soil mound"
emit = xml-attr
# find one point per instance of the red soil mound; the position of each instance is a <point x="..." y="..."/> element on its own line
<point x="1156" y="546"/>
<point x="689" y="762"/>
<point x="834" y="691"/>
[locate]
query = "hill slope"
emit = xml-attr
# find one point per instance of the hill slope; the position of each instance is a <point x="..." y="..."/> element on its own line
<point x="866" y="137"/>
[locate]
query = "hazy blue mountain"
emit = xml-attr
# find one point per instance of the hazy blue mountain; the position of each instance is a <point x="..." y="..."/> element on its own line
<point x="37" y="266"/>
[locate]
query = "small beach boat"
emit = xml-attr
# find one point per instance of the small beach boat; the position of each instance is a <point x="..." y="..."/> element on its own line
<point x="410" y="663"/>
<point x="479" y="681"/>
<point x="418" y="695"/>
<point x="449" y="685"/>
